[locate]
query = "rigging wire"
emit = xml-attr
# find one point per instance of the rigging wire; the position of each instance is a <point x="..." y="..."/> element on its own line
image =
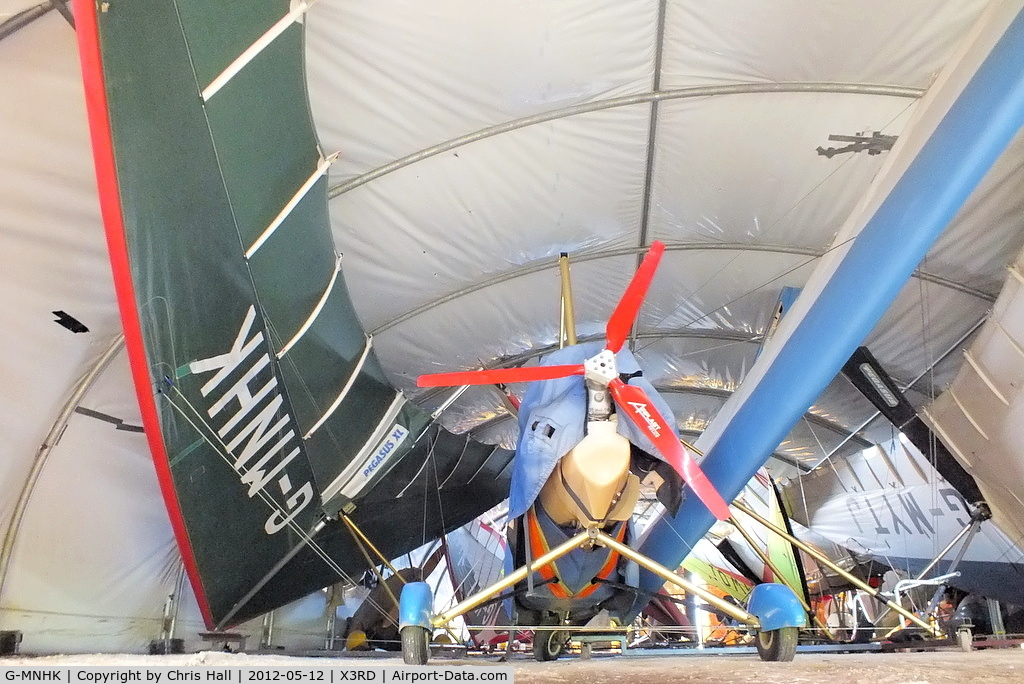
<point x="763" y="234"/>
<point x="437" y="481"/>
<point x="749" y="292"/>
<point x="426" y="487"/>
<point x="302" y="534"/>
<point x="1011" y="546"/>
<point x="221" y="450"/>
<point x="432" y="461"/>
<point x="924" y="302"/>
<point x="810" y="428"/>
<point x="272" y="331"/>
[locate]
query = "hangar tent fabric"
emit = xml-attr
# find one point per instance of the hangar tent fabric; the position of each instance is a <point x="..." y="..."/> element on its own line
<point x="476" y="143"/>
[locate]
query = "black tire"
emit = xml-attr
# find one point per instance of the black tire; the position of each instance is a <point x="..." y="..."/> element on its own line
<point x="777" y="645"/>
<point x="548" y="644"/>
<point x="415" y="645"/>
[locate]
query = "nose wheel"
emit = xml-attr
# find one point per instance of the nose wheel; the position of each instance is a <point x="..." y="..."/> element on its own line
<point x="778" y="645"/>
<point x="415" y="645"/>
<point x="548" y="644"/>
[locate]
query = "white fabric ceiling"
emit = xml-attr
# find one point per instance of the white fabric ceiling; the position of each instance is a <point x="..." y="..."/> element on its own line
<point x="478" y="141"/>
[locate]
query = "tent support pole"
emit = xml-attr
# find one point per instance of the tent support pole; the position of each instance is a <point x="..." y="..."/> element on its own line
<point x="568" y="332"/>
<point x="267" y="634"/>
<point x="52" y="438"/>
<point x="171" y="606"/>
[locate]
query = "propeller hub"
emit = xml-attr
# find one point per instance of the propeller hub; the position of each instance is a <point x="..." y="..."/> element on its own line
<point x="600" y="369"/>
<point x="598" y="372"/>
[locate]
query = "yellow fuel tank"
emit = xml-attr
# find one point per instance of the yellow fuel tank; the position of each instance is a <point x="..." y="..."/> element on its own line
<point x="592" y="483"/>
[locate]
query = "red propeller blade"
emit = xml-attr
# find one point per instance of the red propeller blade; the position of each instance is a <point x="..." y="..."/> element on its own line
<point x="635" y="404"/>
<point x="621" y="321"/>
<point x="498" y="376"/>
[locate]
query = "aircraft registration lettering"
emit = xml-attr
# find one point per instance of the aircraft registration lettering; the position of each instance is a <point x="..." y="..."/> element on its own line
<point x="879" y="527"/>
<point x="917" y="517"/>
<point x="851" y="503"/>
<point x="905" y="503"/>
<point x="952" y="498"/>
<point x="897" y="523"/>
<point x="259" y="428"/>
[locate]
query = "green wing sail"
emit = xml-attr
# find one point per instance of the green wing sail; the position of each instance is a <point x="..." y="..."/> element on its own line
<point x="271" y="411"/>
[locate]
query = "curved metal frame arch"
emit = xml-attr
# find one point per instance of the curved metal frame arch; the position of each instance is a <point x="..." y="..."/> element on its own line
<point x="812" y="418"/>
<point x="51" y="440"/>
<point x="679" y="333"/>
<point x="623" y="101"/>
<point x="538" y="267"/>
<point x="847" y="436"/>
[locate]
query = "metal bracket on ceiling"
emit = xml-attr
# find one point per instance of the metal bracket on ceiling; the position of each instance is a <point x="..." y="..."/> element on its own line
<point x="871" y="142"/>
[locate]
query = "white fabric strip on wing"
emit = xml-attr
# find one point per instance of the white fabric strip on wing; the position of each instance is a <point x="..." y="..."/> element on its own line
<point x="350" y="471"/>
<point x="344" y="390"/>
<point x="321" y="169"/>
<point x="298" y="10"/>
<point x="316" y="310"/>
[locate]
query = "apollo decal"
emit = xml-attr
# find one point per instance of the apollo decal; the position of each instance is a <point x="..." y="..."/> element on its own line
<point x="258" y="435"/>
<point x="640" y="409"/>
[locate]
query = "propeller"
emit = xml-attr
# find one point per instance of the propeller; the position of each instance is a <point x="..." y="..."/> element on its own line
<point x="621" y="321"/>
<point x="498" y="376"/>
<point x="632" y="401"/>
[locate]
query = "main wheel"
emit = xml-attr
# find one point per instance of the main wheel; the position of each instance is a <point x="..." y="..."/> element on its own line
<point x="548" y="643"/>
<point x="964" y="639"/>
<point x="777" y="644"/>
<point x="415" y="645"/>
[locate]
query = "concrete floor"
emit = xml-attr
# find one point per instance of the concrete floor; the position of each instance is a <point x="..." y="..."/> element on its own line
<point x="932" y="667"/>
<point x="1005" y="665"/>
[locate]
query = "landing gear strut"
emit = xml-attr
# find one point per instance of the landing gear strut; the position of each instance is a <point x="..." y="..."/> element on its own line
<point x="772" y="609"/>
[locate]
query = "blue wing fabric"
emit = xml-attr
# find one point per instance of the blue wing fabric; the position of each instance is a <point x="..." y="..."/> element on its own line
<point x="552" y="419"/>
